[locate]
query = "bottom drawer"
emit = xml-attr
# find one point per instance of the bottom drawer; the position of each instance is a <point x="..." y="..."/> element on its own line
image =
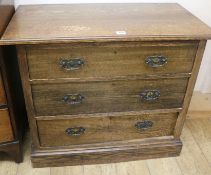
<point x="85" y="130"/>
<point x="6" y="133"/>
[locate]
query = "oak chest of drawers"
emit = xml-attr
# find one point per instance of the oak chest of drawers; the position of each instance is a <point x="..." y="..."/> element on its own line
<point x="106" y="82"/>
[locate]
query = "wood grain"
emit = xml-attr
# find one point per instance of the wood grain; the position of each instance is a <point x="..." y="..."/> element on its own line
<point x="5" y="126"/>
<point x="190" y="88"/>
<point x="11" y="96"/>
<point x="131" y="168"/>
<point x="192" y="160"/>
<point x="13" y="148"/>
<point x="119" y="153"/>
<point x="110" y="59"/>
<point x="15" y="101"/>
<point x="66" y="22"/>
<point x="104" y="129"/>
<point x="201" y="133"/>
<point x="164" y="167"/>
<point x="117" y="96"/>
<point x="21" y="54"/>
<point x="6" y="12"/>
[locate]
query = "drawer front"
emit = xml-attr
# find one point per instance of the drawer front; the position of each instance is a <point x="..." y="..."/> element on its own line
<point x="3" y="100"/>
<point x="113" y="96"/>
<point x="6" y="133"/>
<point x="110" y="59"/>
<point x="104" y="129"/>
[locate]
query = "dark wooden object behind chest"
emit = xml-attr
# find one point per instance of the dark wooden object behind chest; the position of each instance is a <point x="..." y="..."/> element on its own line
<point x="12" y="108"/>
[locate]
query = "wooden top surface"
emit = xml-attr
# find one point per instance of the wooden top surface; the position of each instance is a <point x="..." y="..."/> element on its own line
<point x="6" y="11"/>
<point x="62" y="23"/>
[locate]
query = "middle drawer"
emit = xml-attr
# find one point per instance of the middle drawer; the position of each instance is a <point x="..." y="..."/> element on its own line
<point x="111" y="96"/>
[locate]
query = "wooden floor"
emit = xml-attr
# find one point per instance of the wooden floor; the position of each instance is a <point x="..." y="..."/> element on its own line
<point x="195" y="158"/>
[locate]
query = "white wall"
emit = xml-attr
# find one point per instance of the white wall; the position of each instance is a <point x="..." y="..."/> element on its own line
<point x="200" y="8"/>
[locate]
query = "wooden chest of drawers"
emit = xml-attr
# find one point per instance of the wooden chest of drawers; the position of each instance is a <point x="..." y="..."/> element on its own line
<point x="106" y="82"/>
<point x="12" y="109"/>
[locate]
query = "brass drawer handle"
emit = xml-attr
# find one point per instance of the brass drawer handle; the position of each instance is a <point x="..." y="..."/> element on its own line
<point x="156" y="61"/>
<point x="150" y="95"/>
<point x="71" y="64"/>
<point x="73" y="99"/>
<point x="76" y="131"/>
<point x="141" y="126"/>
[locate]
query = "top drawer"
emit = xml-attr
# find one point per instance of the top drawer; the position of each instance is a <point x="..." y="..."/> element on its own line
<point x="92" y="60"/>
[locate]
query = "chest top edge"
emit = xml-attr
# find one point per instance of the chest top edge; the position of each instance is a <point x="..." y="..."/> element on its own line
<point x="35" y="24"/>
